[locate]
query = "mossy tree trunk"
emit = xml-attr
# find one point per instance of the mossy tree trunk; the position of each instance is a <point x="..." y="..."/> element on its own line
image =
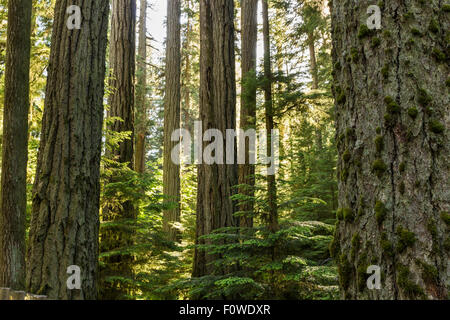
<point x="13" y="199"/>
<point x="215" y="209"/>
<point x="66" y="194"/>
<point x="392" y="110"/>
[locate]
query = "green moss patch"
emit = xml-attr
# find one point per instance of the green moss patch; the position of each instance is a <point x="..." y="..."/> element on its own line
<point x="435" y="126"/>
<point x="406" y="238"/>
<point x="380" y="212"/>
<point x="379" y="167"/>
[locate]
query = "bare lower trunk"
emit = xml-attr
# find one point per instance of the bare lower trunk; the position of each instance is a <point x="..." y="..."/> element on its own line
<point x="217" y="110"/>
<point x="122" y="57"/>
<point x="171" y="170"/>
<point x="64" y="219"/>
<point x="13" y="199"/>
<point x="271" y="182"/>
<point x="249" y="31"/>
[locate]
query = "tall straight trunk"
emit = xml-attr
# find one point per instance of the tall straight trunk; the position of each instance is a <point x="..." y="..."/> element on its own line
<point x="122" y="61"/>
<point x="66" y="194"/>
<point x="249" y="27"/>
<point x="141" y="85"/>
<point x="13" y="198"/>
<point x="122" y="65"/>
<point x="313" y="62"/>
<point x="186" y="80"/>
<point x="392" y="118"/>
<point x="215" y="209"/>
<point x="268" y="79"/>
<point x="171" y="170"/>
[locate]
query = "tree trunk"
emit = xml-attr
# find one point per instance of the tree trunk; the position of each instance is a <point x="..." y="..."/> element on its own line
<point x="141" y="101"/>
<point x="271" y="182"/>
<point x="217" y="110"/>
<point x="122" y="57"/>
<point x="392" y="111"/>
<point x="64" y="220"/>
<point x="171" y="170"/>
<point x="312" y="61"/>
<point x="122" y="65"/>
<point x="13" y="199"/>
<point x="249" y="27"/>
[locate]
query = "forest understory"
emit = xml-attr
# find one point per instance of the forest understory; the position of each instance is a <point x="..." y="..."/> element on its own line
<point x="243" y="150"/>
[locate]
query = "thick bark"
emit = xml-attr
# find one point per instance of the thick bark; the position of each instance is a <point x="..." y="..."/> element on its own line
<point x="141" y="101"/>
<point x="64" y="220"/>
<point x="122" y="65"/>
<point x="393" y="117"/>
<point x="249" y="27"/>
<point x="13" y="199"/>
<point x="121" y="103"/>
<point x="271" y="181"/>
<point x="171" y="170"/>
<point x="217" y="110"/>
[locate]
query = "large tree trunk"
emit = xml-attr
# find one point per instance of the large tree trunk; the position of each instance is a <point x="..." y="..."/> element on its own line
<point x="171" y="170"/>
<point x="271" y="181"/>
<point x="13" y="199"/>
<point x="121" y="103"/>
<point x="141" y="85"/>
<point x="392" y="111"/>
<point x="64" y="220"/>
<point x="249" y="32"/>
<point x="122" y="65"/>
<point x="215" y="209"/>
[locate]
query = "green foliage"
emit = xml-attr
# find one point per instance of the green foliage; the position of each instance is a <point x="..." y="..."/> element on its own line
<point x="246" y="267"/>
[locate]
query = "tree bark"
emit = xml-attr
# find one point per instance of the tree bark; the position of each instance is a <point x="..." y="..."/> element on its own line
<point x="122" y="64"/>
<point x="313" y="62"/>
<point x="64" y="220"/>
<point x="13" y="199"/>
<point x="215" y="209"/>
<point x="268" y="79"/>
<point x="392" y="111"/>
<point x="141" y="101"/>
<point x="249" y="31"/>
<point x="171" y="170"/>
